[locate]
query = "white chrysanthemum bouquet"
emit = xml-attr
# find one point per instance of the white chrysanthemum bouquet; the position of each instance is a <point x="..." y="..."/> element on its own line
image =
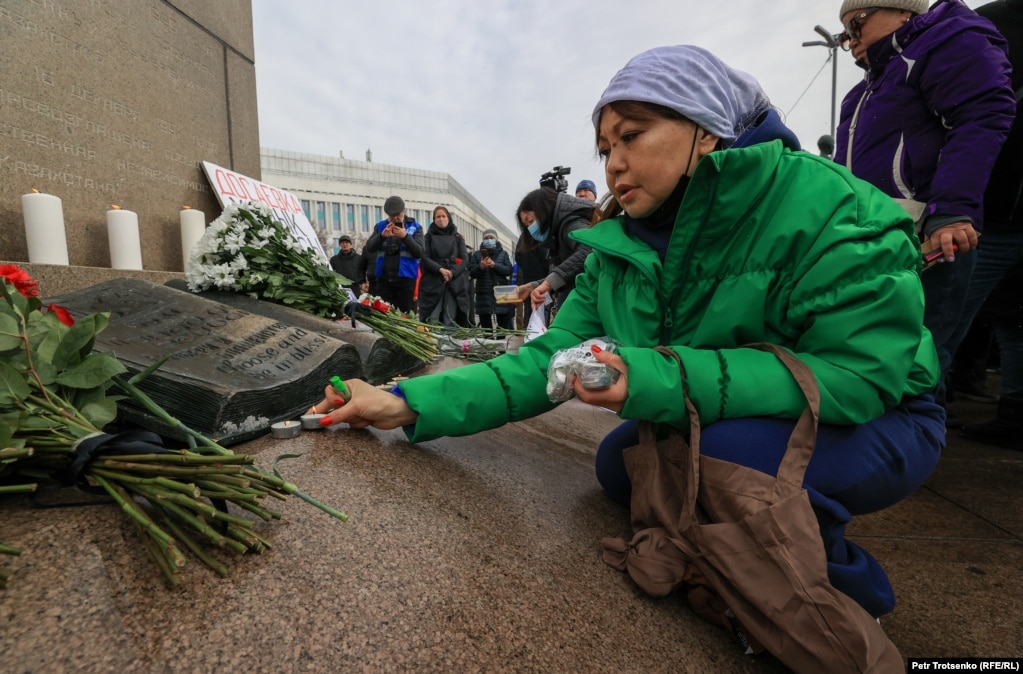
<point x="246" y="250"/>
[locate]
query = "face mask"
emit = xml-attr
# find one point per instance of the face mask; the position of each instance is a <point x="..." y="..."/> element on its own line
<point x="489" y="243"/>
<point x="534" y="231"/>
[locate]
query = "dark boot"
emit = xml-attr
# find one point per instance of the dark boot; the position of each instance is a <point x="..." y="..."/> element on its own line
<point x="1006" y="430"/>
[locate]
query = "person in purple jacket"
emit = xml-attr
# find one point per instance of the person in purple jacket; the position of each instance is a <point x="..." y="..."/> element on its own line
<point x="925" y="126"/>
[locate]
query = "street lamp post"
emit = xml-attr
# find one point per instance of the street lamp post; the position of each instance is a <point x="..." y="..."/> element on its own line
<point x="831" y="42"/>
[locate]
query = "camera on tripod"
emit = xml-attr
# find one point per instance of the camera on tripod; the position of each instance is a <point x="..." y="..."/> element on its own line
<point x="556" y="178"/>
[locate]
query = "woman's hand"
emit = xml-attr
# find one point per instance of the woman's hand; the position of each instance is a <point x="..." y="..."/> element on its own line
<point x="446" y="273"/>
<point x="612" y="397"/>
<point x="539" y="295"/>
<point x="961" y="234"/>
<point x="369" y="406"/>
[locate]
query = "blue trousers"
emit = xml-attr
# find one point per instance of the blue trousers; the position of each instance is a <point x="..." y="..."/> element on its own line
<point x="854" y="470"/>
<point x="997" y="254"/>
<point x="945" y="287"/>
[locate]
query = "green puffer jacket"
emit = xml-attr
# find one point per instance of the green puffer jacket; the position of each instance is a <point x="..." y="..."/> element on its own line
<point x="769" y="245"/>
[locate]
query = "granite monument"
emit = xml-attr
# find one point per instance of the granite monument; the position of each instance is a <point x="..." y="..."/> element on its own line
<point x="228" y="373"/>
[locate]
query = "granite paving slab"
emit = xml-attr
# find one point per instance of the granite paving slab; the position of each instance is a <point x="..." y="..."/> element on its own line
<point x="463" y="554"/>
<point x="467" y="554"/>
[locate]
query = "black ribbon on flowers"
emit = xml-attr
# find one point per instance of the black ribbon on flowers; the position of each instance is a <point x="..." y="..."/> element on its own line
<point x="134" y="441"/>
<point x="352" y="309"/>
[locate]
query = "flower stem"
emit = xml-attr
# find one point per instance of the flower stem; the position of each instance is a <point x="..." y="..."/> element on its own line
<point x="160" y="538"/>
<point x="188" y="542"/>
<point x="18" y="488"/>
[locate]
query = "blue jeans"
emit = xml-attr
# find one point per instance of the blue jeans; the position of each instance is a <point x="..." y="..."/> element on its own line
<point x="945" y="287"/>
<point x="997" y="254"/>
<point x="854" y="470"/>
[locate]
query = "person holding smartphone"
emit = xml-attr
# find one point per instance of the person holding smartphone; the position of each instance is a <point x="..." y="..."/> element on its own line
<point x="398" y="245"/>
<point x="491" y="266"/>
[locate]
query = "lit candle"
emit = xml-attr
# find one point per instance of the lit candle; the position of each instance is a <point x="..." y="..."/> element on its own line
<point x="193" y="224"/>
<point x="285" y="429"/>
<point x="123" y="234"/>
<point x="44" y="228"/>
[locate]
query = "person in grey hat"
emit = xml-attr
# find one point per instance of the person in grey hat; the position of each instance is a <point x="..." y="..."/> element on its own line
<point x="718" y="232"/>
<point x="397" y="243"/>
<point x="925" y="126"/>
<point x="911" y="6"/>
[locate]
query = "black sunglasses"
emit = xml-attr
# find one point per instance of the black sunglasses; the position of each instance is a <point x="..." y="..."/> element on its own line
<point x="855" y="28"/>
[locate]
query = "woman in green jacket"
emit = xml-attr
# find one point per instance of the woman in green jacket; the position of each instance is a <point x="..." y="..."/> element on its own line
<point x="728" y="236"/>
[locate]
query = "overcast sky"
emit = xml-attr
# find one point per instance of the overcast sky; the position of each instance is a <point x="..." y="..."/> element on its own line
<point x="496" y="92"/>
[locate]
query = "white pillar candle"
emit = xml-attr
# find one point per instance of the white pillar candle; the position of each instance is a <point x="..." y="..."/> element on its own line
<point x="123" y="234"/>
<point x="44" y="228"/>
<point x="193" y="224"/>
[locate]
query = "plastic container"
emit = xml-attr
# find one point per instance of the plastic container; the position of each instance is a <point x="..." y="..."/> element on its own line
<point x="506" y="294"/>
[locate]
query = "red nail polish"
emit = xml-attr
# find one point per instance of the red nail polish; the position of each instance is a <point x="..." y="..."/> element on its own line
<point x="595" y="349"/>
<point x="326" y="421"/>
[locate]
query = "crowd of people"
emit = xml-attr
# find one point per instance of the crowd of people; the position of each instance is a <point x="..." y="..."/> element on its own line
<point x="430" y="271"/>
<point x="704" y="244"/>
<point x="930" y="132"/>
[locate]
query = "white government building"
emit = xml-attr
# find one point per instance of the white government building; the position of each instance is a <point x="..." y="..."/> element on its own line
<point x="346" y="196"/>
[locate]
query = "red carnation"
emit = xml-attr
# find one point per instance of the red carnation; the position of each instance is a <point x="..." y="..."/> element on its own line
<point x="63" y="315"/>
<point x="19" y="278"/>
<point x="29" y="287"/>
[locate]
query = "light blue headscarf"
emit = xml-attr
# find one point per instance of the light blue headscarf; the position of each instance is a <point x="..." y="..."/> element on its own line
<point x="694" y="83"/>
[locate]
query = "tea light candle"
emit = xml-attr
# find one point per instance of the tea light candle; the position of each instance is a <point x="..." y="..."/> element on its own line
<point x="285" y="429"/>
<point x="44" y="228"/>
<point x="193" y="224"/>
<point x="123" y="236"/>
<point x="311" y="422"/>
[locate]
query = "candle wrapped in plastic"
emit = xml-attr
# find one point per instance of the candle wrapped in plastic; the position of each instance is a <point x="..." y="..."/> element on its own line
<point x="579" y="361"/>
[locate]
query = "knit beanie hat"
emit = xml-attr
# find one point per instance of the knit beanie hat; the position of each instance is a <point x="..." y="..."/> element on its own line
<point x="695" y="84"/>
<point x="393" y="206"/>
<point x="915" y="6"/>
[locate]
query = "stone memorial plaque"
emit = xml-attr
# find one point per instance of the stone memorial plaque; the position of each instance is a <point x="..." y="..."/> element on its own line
<point x="381" y="360"/>
<point x="119" y="102"/>
<point x="230" y="373"/>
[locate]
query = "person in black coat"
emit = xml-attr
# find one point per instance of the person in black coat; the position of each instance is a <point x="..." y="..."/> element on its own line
<point x="444" y="287"/>
<point x="546" y="218"/>
<point x="994" y="284"/>
<point x="491" y="266"/>
<point x="349" y="264"/>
